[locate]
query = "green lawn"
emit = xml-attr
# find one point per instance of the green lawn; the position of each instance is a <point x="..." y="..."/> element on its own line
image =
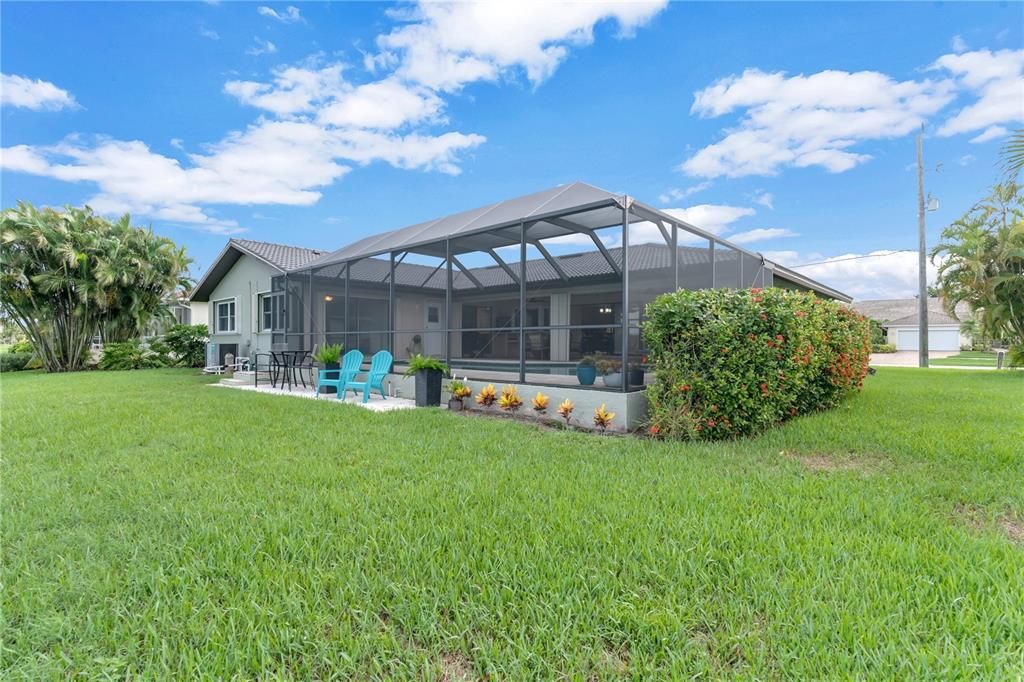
<point x="157" y="527"/>
<point x="967" y="358"/>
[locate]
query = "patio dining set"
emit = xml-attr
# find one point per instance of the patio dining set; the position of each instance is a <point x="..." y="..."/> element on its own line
<point x="289" y="368"/>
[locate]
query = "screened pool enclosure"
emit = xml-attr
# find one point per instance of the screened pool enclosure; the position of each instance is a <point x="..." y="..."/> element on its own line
<point x="517" y="291"/>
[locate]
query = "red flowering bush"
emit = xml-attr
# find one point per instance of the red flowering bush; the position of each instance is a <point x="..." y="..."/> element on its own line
<point x="734" y="363"/>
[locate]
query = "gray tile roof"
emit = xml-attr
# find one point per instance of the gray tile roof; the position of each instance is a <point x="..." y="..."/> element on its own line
<point x="281" y="256"/>
<point x="934" y="317"/>
<point x="886" y="310"/>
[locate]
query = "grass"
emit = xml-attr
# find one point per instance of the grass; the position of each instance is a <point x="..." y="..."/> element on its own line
<point x="966" y="358"/>
<point x="157" y="527"/>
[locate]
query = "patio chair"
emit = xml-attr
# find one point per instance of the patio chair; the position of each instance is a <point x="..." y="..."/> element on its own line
<point x="350" y="365"/>
<point x="380" y="365"/>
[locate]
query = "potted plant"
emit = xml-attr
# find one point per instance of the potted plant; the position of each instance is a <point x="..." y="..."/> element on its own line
<point x="459" y="390"/>
<point x="329" y="357"/>
<point x="586" y="370"/>
<point x="428" y="372"/>
<point x="611" y="372"/>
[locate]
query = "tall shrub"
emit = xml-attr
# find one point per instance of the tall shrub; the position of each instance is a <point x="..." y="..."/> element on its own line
<point x="734" y="363"/>
<point x="188" y="343"/>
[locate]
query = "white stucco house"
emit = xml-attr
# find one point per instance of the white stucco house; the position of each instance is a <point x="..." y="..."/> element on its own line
<point x="899" y="319"/>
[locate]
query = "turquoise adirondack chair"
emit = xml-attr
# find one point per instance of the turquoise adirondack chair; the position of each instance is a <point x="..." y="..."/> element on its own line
<point x="380" y="365"/>
<point x="350" y="365"/>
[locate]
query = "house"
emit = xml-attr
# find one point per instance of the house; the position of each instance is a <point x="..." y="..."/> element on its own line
<point x="236" y="300"/>
<point x="516" y="292"/>
<point x="899" y="319"/>
<point x="185" y="311"/>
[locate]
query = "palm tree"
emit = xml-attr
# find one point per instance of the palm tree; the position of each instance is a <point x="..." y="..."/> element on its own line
<point x="981" y="261"/>
<point x="66" y="275"/>
<point x="1013" y="153"/>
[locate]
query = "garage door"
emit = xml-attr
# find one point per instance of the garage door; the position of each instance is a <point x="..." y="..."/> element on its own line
<point x="938" y="339"/>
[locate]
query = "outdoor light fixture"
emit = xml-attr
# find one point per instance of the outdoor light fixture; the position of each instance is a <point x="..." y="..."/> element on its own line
<point x="604" y="310"/>
<point x="328" y="298"/>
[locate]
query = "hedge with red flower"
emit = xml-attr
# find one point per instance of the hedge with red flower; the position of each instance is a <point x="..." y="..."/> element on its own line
<point x="733" y="363"/>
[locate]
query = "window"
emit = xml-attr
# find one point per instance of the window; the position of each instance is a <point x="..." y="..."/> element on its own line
<point x="272" y="312"/>
<point x="225" y="319"/>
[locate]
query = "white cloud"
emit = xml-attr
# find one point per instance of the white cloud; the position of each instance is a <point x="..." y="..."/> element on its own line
<point x="677" y="194"/>
<point x="766" y="199"/>
<point x="261" y="47"/>
<point x="271" y="162"/>
<point x="761" y="234"/>
<point x="208" y="33"/>
<point x="958" y="44"/>
<point x="384" y="104"/>
<point x="882" y="274"/>
<point x="316" y="124"/>
<point x="966" y="159"/>
<point x="997" y="81"/>
<point x="18" y="91"/>
<point x="294" y="90"/>
<point x="177" y="143"/>
<point x="290" y="15"/>
<point x="447" y="45"/>
<point x="815" y="120"/>
<point x="990" y="133"/>
<point x="714" y="218"/>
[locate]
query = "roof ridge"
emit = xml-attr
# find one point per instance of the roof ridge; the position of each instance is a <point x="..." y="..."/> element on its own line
<point x="289" y="246"/>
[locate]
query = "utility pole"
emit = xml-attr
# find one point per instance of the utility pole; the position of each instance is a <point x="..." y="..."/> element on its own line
<point x="922" y="273"/>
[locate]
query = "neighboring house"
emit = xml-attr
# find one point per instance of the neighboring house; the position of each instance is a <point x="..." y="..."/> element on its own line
<point x="188" y="312"/>
<point x="899" y="319"/>
<point x="235" y="299"/>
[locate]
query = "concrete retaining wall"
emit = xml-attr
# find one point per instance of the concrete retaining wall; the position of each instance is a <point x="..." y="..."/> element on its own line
<point x="630" y="408"/>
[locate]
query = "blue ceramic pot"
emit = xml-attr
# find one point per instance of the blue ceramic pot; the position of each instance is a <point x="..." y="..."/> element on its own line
<point x="586" y="374"/>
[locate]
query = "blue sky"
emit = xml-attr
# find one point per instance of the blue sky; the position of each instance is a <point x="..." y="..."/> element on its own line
<point x="789" y="127"/>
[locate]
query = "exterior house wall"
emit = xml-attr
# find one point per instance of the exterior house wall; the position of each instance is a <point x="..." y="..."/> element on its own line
<point x="247" y="278"/>
<point x="892" y="332"/>
<point x="200" y="312"/>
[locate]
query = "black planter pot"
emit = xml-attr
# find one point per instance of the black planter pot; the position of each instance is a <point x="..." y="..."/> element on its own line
<point x="329" y="365"/>
<point x="636" y="377"/>
<point x="428" y="388"/>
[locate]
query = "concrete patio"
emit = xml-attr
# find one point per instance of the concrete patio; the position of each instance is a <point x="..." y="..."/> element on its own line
<point x="375" y="403"/>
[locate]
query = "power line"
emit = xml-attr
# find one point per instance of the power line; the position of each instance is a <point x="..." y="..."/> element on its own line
<point x="840" y="260"/>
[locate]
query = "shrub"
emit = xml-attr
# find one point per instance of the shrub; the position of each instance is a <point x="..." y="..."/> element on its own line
<point x="459" y="390"/>
<point x="510" y="400"/>
<point x="565" y="410"/>
<point x="130" y="355"/>
<point x="187" y="343"/>
<point x="883" y="348"/>
<point x="14" y="362"/>
<point x="21" y="347"/>
<point x="733" y="363"/>
<point x="486" y="396"/>
<point x="602" y="417"/>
